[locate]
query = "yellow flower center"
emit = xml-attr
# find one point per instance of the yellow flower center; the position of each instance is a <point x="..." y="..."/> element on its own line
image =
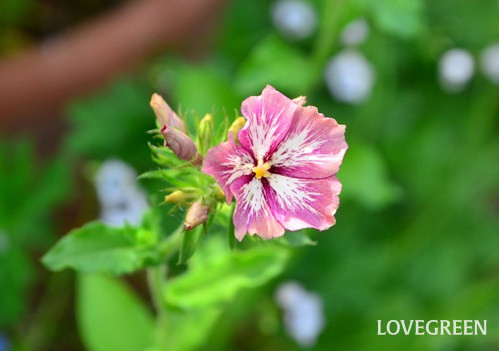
<point x="261" y="169"/>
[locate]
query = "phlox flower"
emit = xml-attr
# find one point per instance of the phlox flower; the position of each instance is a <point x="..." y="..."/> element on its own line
<point x="282" y="172"/>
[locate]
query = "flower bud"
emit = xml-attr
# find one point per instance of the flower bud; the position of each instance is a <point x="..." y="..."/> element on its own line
<point x="165" y="114"/>
<point x="237" y="126"/>
<point x="205" y="132"/>
<point x="196" y="215"/>
<point x="179" y="196"/>
<point x="300" y="100"/>
<point x="181" y="145"/>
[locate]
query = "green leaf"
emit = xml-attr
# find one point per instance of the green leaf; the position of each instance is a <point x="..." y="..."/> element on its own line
<point x="276" y="63"/>
<point x="111" y="317"/>
<point x="219" y="277"/>
<point x="156" y="174"/>
<point x="179" y="333"/>
<point x="190" y="243"/>
<point x="177" y="172"/>
<point x="96" y="247"/>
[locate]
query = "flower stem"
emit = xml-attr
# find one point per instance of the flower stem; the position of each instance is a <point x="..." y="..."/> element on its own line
<point x="156" y="275"/>
<point x="171" y="244"/>
<point x="156" y="281"/>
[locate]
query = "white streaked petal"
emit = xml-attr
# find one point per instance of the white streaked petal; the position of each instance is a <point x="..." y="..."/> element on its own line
<point x="226" y="163"/>
<point x="253" y="214"/>
<point x="303" y="203"/>
<point x="268" y="119"/>
<point x="313" y="148"/>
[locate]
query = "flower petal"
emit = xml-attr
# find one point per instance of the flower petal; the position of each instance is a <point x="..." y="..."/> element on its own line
<point x="268" y="119"/>
<point x="303" y="203"/>
<point x="227" y="162"/>
<point x="253" y="214"/>
<point x="313" y="147"/>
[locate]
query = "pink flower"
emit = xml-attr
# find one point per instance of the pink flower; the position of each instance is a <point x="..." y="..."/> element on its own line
<point x="283" y="172"/>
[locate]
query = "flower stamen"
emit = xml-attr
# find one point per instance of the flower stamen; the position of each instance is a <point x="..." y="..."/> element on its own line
<point x="261" y="169"/>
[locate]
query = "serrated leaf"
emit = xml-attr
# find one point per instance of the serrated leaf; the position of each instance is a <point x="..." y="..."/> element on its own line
<point x="96" y="247"/>
<point x="111" y="317"/>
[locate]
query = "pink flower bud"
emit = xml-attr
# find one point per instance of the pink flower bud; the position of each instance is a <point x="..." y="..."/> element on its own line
<point x="165" y="114"/>
<point x="181" y="145"/>
<point x="196" y="215"/>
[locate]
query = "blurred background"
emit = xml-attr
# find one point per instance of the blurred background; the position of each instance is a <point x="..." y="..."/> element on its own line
<point x="416" y="82"/>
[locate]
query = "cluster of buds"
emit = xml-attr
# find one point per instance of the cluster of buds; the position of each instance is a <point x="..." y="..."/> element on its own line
<point x="279" y="163"/>
<point x="177" y="139"/>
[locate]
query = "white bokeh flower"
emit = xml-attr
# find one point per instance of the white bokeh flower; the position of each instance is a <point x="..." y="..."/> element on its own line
<point x="455" y="69"/>
<point x="349" y="77"/>
<point x="120" y="198"/>
<point x="489" y="61"/>
<point x="355" y="32"/>
<point x="304" y="317"/>
<point x="294" y="19"/>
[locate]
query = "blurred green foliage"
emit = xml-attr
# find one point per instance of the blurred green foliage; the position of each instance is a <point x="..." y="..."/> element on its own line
<point x="126" y="110"/>
<point x="28" y="194"/>
<point x="416" y="236"/>
<point x="271" y="62"/>
<point x="417" y="230"/>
